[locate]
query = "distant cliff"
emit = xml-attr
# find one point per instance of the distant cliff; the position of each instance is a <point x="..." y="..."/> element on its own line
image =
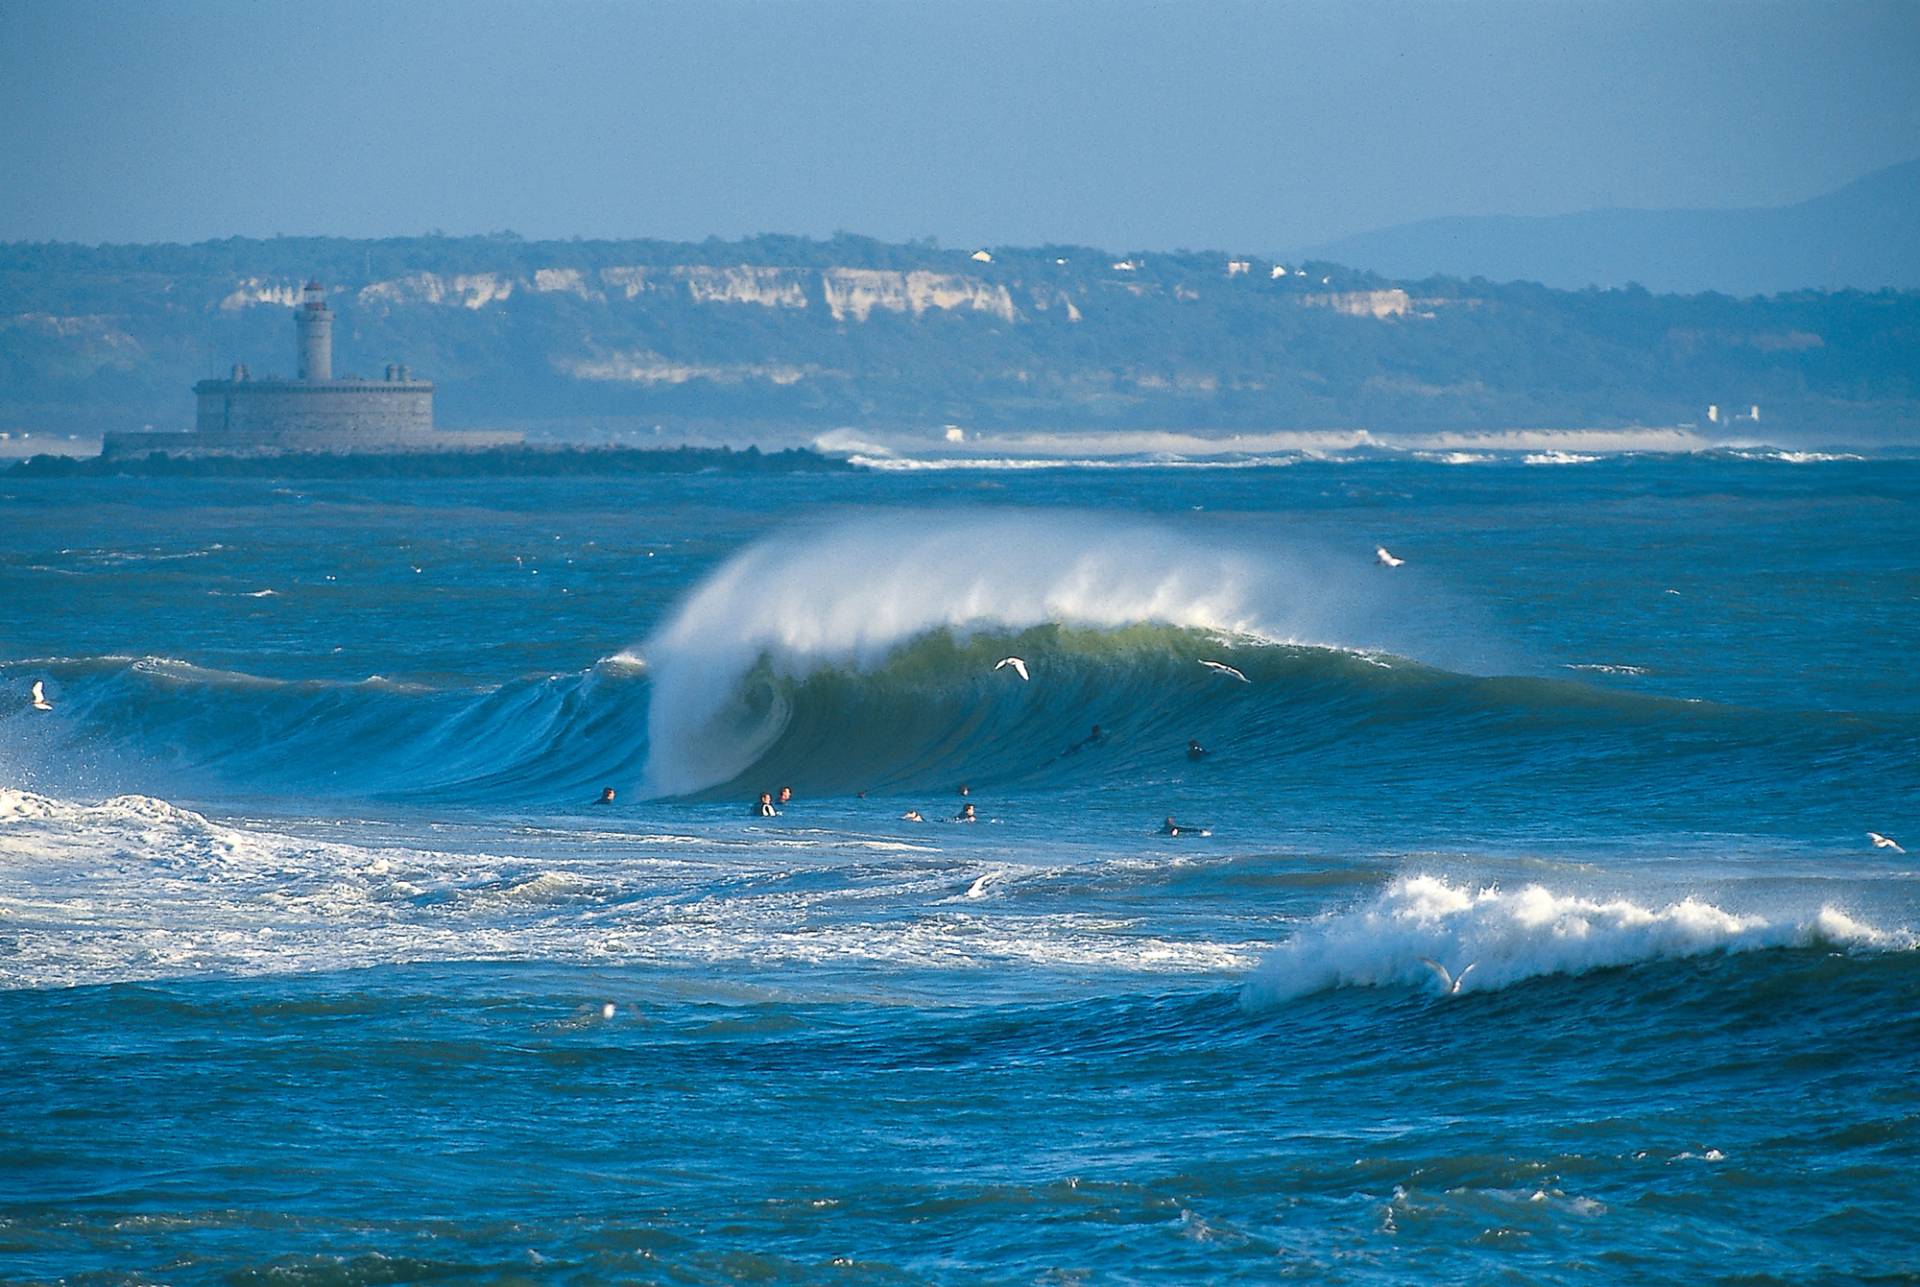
<point x="779" y="338"/>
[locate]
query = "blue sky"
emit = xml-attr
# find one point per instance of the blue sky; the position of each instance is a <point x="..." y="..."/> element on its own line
<point x="1251" y="127"/>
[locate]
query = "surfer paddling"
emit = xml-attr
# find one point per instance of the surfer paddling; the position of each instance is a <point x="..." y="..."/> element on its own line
<point x="1095" y="738"/>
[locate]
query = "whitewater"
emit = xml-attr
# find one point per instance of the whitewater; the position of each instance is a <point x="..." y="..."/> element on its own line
<point x="318" y="960"/>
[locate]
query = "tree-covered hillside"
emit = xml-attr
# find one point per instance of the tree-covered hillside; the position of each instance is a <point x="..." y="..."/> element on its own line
<point x="795" y="335"/>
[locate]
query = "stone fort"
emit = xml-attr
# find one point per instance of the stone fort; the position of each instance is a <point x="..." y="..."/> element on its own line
<point x="313" y="412"/>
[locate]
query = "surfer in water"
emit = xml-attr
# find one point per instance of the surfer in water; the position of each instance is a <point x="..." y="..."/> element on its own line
<point x="1172" y="828"/>
<point x="1095" y="738"/>
<point x="606" y="796"/>
<point x="765" y="808"/>
<point x="786" y="795"/>
<point x="966" y="814"/>
<point x="1195" y="751"/>
<point x="912" y="815"/>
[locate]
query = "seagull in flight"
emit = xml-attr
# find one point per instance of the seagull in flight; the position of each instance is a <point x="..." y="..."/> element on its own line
<point x="1449" y="983"/>
<point x="1879" y="841"/>
<point x="1225" y="669"/>
<point x="40" y="702"/>
<point x="1019" y="667"/>
<point x="1384" y="558"/>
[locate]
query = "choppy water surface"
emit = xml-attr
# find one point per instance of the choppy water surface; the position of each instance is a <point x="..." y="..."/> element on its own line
<point x="318" y="962"/>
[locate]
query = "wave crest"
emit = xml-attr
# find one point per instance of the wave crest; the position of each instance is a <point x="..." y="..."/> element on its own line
<point x="850" y="596"/>
<point x="1510" y="936"/>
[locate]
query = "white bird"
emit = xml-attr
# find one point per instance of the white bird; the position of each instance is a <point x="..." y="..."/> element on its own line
<point x="1449" y="983"/>
<point x="1879" y="841"/>
<point x="1019" y="667"/>
<point x="1384" y="559"/>
<point x="1225" y="669"/>
<point x="40" y="702"/>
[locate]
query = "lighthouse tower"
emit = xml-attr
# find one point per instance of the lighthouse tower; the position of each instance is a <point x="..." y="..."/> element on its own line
<point x="314" y="321"/>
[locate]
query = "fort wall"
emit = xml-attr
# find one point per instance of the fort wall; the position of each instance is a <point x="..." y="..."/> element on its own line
<point x="359" y="410"/>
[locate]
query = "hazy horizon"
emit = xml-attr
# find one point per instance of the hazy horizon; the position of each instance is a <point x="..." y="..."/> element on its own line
<point x="946" y="243"/>
<point x="1219" y="126"/>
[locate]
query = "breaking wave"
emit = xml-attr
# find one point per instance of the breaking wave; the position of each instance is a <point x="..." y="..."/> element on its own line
<point x="1500" y="937"/>
<point x="919" y="602"/>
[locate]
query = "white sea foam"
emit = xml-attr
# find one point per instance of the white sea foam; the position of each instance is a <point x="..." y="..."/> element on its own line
<point x="1091" y="446"/>
<point x="1157" y="449"/>
<point x="937" y="464"/>
<point x="1787" y="456"/>
<point x="625" y="659"/>
<point x="1508" y="936"/>
<point x="141" y="556"/>
<point x="136" y="888"/>
<point x="854" y="592"/>
<point x="1812" y="457"/>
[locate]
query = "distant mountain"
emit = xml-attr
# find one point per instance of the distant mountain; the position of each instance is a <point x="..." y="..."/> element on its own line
<point x="1865" y="235"/>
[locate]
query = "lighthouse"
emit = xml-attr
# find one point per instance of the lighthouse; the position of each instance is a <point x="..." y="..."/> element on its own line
<point x="314" y="321"/>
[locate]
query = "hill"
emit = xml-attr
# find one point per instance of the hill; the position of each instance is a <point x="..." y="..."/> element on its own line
<point x="1865" y="235"/>
<point x="774" y="339"/>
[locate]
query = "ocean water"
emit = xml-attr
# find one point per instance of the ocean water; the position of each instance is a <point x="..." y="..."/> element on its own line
<point x="318" y="963"/>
